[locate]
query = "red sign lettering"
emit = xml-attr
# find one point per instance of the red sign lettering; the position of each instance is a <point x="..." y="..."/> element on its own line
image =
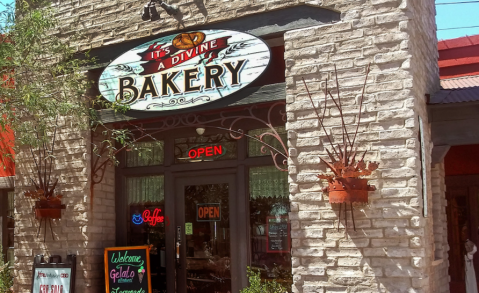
<point x="153" y="219"/>
<point x="205" y="151"/>
<point x="161" y="58"/>
<point x="41" y="275"/>
<point x="57" y="289"/>
<point x="208" y="212"/>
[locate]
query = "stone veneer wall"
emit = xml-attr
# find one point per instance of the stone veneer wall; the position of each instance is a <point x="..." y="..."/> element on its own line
<point x="393" y="247"/>
<point x="423" y="45"/>
<point x="81" y="230"/>
<point x="439" y="281"/>
<point x="392" y="251"/>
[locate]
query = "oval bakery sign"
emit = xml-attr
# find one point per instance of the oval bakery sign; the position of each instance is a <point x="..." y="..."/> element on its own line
<point x="184" y="70"/>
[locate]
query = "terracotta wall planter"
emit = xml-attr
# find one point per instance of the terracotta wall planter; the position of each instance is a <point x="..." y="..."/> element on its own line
<point x="45" y="209"/>
<point x="349" y="190"/>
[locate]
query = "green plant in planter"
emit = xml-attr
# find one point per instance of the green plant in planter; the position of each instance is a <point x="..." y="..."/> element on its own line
<point x="258" y="286"/>
<point x="6" y="277"/>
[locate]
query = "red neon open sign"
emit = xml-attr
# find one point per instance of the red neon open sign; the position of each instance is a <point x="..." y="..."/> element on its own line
<point x="205" y="151"/>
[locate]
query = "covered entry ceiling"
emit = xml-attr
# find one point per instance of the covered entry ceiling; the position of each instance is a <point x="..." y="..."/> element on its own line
<point x="454" y="114"/>
<point x="454" y="110"/>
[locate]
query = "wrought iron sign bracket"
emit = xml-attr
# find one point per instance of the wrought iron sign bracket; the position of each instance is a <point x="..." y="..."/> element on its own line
<point x="227" y="123"/>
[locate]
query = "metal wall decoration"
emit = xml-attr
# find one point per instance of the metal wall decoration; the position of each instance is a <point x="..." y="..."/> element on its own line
<point x="227" y="123"/>
<point x="48" y="200"/>
<point x="184" y="70"/>
<point x="344" y="184"/>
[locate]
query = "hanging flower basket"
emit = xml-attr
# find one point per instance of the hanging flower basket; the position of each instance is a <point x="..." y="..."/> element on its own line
<point x="46" y="209"/>
<point x="48" y="201"/>
<point x="345" y="185"/>
<point x="349" y="190"/>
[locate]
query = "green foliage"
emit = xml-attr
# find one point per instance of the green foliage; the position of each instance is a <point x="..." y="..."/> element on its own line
<point x="44" y="82"/>
<point x="42" y="74"/>
<point x="6" y="277"/>
<point x="258" y="286"/>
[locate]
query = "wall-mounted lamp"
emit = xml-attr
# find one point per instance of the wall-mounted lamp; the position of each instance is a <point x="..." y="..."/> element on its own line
<point x="200" y="130"/>
<point x="150" y="12"/>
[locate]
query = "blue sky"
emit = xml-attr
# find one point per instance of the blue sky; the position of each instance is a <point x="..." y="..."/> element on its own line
<point x="456" y="15"/>
<point x="5" y="2"/>
<point x="448" y="16"/>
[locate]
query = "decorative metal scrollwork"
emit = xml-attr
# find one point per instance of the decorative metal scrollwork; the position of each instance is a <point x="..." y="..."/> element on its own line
<point x="228" y="123"/>
<point x="177" y="101"/>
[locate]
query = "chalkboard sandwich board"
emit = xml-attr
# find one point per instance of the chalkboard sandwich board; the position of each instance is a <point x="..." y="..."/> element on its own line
<point x="277" y="235"/>
<point x="127" y="269"/>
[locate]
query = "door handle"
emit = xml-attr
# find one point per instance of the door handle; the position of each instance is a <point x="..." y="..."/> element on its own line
<point x="178" y="245"/>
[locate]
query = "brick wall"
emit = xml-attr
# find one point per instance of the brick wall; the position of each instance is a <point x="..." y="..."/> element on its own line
<point x="101" y="226"/>
<point x="111" y="22"/>
<point x="81" y="230"/>
<point x="439" y="275"/>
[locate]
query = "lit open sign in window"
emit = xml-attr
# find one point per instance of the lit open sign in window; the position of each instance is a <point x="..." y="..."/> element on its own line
<point x="205" y="152"/>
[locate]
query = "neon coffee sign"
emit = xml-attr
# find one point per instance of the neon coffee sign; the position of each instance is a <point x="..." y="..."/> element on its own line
<point x="148" y="217"/>
<point x="184" y="70"/>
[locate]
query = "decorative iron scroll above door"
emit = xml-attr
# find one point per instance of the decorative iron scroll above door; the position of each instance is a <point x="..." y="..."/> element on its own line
<point x="184" y="70"/>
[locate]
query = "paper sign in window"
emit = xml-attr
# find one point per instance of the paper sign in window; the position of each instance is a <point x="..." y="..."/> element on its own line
<point x="277" y="235"/>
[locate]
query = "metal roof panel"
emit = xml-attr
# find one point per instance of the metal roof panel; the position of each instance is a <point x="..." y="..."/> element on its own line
<point x="460" y="82"/>
<point x="460" y="95"/>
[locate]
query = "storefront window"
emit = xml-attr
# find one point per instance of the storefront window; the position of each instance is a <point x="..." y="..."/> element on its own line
<point x="254" y="147"/>
<point x="200" y="213"/>
<point x="205" y="148"/>
<point x="270" y="230"/>
<point x="148" y="153"/>
<point x="145" y="190"/>
<point x="146" y="222"/>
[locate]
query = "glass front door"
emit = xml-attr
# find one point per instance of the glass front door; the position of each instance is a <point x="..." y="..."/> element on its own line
<point x="207" y="238"/>
<point x="207" y="225"/>
<point x="203" y="231"/>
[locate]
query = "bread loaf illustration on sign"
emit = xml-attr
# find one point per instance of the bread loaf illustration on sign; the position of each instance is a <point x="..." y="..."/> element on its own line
<point x="187" y="41"/>
<point x="175" y="72"/>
